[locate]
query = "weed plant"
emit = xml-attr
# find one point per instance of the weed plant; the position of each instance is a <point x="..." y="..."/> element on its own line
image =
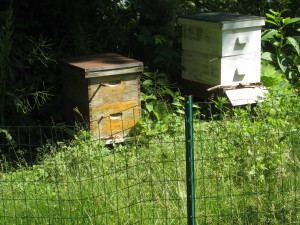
<point x="246" y="172"/>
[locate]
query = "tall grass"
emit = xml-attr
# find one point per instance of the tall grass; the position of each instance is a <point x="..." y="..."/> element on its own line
<point x="246" y="172"/>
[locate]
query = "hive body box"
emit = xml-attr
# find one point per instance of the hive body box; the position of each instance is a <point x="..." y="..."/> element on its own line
<point x="221" y="48"/>
<point x="105" y="90"/>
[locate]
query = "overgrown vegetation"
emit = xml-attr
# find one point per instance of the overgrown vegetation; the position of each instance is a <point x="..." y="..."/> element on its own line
<point x="285" y="51"/>
<point x="246" y="159"/>
<point x="22" y="71"/>
<point x="34" y="34"/>
<point x="246" y="172"/>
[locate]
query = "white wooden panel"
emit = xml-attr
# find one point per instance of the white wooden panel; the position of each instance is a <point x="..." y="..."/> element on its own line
<point x="240" y="69"/>
<point x="232" y="70"/>
<point x="241" y="41"/>
<point x="224" y="24"/>
<point x="197" y="38"/>
<point x="243" y="24"/>
<point x="221" y="49"/>
<point x="201" y="67"/>
<point x="245" y="96"/>
<point x="218" y="43"/>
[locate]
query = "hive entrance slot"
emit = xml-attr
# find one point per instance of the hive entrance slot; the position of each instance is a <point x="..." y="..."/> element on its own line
<point x="116" y="116"/>
<point x="114" y="83"/>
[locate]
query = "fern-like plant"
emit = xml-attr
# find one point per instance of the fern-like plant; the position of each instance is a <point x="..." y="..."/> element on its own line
<point x="21" y="60"/>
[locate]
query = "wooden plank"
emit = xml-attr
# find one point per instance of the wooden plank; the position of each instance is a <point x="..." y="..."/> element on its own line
<point x="112" y="72"/>
<point x="106" y="110"/>
<point x="233" y="70"/>
<point x="218" y="43"/>
<point x="241" y="41"/>
<point x="240" y="69"/>
<point x="201" y="68"/>
<point x="105" y="89"/>
<point x="202" y="39"/>
<point x="100" y="62"/>
<point x="75" y="86"/>
<point x="245" y="96"/>
<point x="114" y="120"/>
<point x="224" y="21"/>
<point x="112" y="89"/>
<point x="243" y="24"/>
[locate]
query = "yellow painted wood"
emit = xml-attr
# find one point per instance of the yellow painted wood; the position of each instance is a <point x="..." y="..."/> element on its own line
<point x="105" y="90"/>
<point x="115" y="119"/>
<point x="113" y="89"/>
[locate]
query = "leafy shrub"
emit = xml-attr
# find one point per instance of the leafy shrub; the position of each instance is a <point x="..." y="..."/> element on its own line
<point x="285" y="51"/>
<point x="157" y="96"/>
<point x="23" y="60"/>
<point x="246" y="166"/>
<point x="275" y="80"/>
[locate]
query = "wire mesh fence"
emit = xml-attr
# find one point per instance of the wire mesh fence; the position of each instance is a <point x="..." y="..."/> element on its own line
<point x="246" y="172"/>
<point x="81" y="181"/>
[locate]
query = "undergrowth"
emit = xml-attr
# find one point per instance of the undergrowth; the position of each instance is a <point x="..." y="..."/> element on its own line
<point x="246" y="172"/>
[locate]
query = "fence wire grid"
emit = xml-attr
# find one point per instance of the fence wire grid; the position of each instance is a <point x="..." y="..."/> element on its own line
<point x="246" y="168"/>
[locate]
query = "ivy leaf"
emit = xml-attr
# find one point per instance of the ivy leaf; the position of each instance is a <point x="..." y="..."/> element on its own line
<point x="294" y="43"/>
<point x="156" y="114"/>
<point x="159" y="40"/>
<point x="147" y="82"/>
<point x="297" y="38"/>
<point x="180" y="111"/>
<point x="271" y="22"/>
<point x="268" y="81"/>
<point x="282" y="61"/>
<point x="288" y="20"/>
<point x="149" y="107"/>
<point x="274" y="12"/>
<point x="145" y="97"/>
<point x="270" y="16"/>
<point x="267" y="56"/>
<point x="267" y="34"/>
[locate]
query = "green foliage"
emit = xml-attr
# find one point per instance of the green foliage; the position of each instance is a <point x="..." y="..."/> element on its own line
<point x="21" y="63"/>
<point x="155" y="37"/>
<point x="6" y="47"/>
<point x="275" y="80"/>
<point x="246" y="172"/>
<point x="248" y="133"/>
<point x="156" y="96"/>
<point x="255" y="7"/>
<point x="285" y="51"/>
<point x="247" y="160"/>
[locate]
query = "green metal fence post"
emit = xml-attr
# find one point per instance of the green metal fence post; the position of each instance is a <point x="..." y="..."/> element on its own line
<point x="191" y="219"/>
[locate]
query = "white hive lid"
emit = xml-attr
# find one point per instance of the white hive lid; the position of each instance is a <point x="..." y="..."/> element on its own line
<point x="225" y="21"/>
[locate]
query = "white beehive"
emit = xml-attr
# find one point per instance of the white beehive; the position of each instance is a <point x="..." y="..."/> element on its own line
<point x="221" y="48"/>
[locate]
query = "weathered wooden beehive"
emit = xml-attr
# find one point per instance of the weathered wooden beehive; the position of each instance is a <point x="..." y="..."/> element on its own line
<point x="221" y="48"/>
<point x="105" y="91"/>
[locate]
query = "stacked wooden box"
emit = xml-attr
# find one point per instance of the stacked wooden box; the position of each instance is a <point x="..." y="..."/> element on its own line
<point x="103" y="92"/>
<point x="221" y="48"/>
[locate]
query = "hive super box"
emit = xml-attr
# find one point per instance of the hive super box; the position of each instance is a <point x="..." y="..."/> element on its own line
<point x="221" y="48"/>
<point x="102" y="91"/>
